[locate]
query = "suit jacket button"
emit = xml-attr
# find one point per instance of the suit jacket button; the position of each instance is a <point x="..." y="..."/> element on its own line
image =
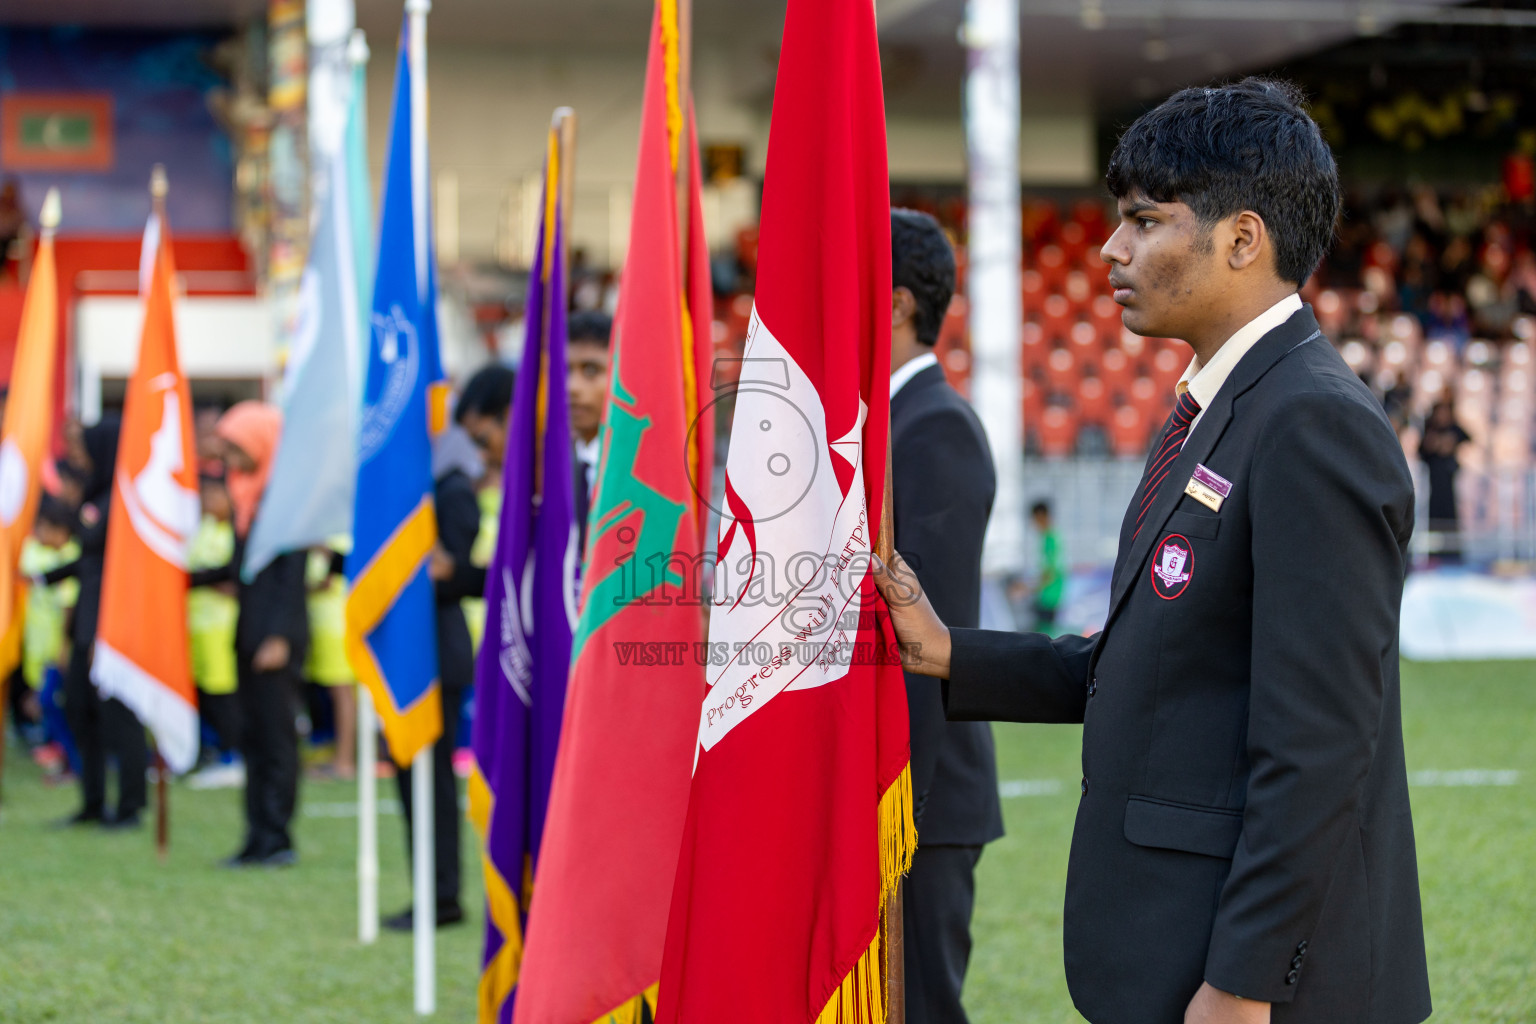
<point x="1093" y="685"/>
<point x="1290" y="979"/>
<point x="1296" y="962"/>
<point x="1085" y="785"/>
<point x="1301" y="947"/>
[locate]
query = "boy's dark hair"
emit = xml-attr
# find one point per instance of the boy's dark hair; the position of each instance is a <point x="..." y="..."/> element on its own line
<point x="487" y="393"/>
<point x="55" y="512"/>
<point x="1040" y="508"/>
<point x="590" y="325"/>
<point x="1230" y="148"/>
<point x="923" y="263"/>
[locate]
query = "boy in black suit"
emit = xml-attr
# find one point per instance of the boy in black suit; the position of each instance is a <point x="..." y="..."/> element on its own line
<point x="1244" y="850"/>
<point x="943" y="484"/>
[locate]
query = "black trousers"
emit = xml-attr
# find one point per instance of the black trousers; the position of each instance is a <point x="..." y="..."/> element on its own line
<point x="222" y="713"/>
<point x="102" y="727"/>
<point x="269" y="742"/>
<point x="940" y="892"/>
<point x="446" y="814"/>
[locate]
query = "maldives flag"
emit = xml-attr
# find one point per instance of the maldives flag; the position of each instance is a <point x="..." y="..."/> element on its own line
<point x="799" y="823"/>
<point x="620" y="789"/>
<point x="142" y="650"/>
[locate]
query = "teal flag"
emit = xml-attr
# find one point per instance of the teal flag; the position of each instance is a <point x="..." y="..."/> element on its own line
<point x="308" y="500"/>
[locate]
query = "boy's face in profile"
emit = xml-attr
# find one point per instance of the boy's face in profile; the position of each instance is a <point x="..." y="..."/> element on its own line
<point x="586" y="385"/>
<point x="1042" y="520"/>
<point x="1163" y="267"/>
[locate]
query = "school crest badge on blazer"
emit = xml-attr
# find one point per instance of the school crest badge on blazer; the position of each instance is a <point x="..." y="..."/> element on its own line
<point x="1172" y="568"/>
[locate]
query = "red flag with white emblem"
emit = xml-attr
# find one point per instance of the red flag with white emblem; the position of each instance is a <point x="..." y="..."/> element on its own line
<point x="799" y="820"/>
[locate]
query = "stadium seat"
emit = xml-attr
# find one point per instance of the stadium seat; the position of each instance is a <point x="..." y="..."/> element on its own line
<point x="1058" y="432"/>
<point x="1056" y="318"/>
<point x="1129" y="432"/>
<point x="1084" y="341"/>
<point x="1093" y="402"/>
<point x="1033" y="347"/>
<point x="1062" y="372"/>
<point x="1117" y="373"/>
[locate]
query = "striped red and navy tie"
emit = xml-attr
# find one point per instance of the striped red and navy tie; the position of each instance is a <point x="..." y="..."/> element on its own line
<point x="1177" y="429"/>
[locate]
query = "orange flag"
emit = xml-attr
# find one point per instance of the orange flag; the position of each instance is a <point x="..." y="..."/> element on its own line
<point x="28" y="423"/>
<point x="142" y="654"/>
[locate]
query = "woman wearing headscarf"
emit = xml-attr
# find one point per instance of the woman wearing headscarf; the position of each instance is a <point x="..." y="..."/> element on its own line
<point x="270" y="640"/>
<point x="99" y="725"/>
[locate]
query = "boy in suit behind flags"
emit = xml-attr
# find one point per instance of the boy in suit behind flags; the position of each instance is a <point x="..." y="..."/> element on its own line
<point x="942" y="485"/>
<point x="1244" y="850"/>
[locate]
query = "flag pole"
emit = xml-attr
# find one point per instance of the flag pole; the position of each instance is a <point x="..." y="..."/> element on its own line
<point x="893" y="946"/>
<point x="367" y="818"/>
<point x="159" y="186"/>
<point x="367" y="717"/>
<point x="565" y="131"/>
<point x="424" y="903"/>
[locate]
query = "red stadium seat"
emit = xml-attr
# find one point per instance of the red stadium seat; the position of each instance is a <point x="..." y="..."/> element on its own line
<point x="1062" y="372"/>
<point x="1051" y="261"/>
<point x="1056" y="318"/>
<point x="1033" y="348"/>
<point x="1129" y="432"/>
<point x="1116" y="371"/>
<point x="1034" y="403"/>
<point x="1084" y="340"/>
<point x="1074" y="242"/>
<point x="1078" y="290"/>
<point x="1150" y="400"/>
<point x="1033" y="287"/>
<point x="1093" y="401"/>
<point x="1105" y="313"/>
<point x="1058" y="432"/>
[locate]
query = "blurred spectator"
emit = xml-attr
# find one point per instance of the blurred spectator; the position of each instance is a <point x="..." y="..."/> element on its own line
<point x="13" y="220"/>
<point x="1053" y="575"/>
<point x="1442" y="436"/>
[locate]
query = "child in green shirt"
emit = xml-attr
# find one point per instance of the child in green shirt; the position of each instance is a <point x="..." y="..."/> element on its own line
<point x="1053" y="576"/>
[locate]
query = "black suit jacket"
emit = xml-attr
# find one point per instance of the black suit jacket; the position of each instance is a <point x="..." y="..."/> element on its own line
<point x="458" y="524"/>
<point x="943" y="483"/>
<point x="1244" y="817"/>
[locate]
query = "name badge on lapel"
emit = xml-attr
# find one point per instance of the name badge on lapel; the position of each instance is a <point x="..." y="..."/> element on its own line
<point x="1208" y="488"/>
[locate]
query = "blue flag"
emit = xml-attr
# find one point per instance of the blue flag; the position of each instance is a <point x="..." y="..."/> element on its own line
<point x="391" y="609"/>
<point x="308" y="500"/>
<point x="530" y="596"/>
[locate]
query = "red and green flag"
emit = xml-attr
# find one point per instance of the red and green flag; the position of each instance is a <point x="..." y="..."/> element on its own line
<point x="799" y="822"/>
<point x="620" y="791"/>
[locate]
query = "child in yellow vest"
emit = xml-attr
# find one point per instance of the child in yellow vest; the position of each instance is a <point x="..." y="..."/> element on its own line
<point x="212" y="613"/>
<point x="43" y="648"/>
<point x="328" y="663"/>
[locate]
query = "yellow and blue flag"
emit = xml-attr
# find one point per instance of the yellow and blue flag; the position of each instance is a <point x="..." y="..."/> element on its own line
<point x="391" y="612"/>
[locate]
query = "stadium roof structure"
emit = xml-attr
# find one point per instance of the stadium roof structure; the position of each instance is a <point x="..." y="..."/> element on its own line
<point x="1108" y="52"/>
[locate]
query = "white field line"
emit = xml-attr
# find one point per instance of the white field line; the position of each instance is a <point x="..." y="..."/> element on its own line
<point x="1009" y="788"/>
<point x="345" y="809"/>
<point x="1466" y="777"/>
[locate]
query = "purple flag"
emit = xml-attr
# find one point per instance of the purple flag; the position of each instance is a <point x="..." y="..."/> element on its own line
<point x="530" y="595"/>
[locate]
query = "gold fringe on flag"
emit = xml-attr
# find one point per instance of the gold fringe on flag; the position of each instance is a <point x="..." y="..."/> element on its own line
<point x="639" y="1010"/>
<point x="500" y="975"/>
<point x="860" y="999"/>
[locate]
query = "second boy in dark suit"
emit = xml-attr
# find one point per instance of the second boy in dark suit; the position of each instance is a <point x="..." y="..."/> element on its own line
<point x="943" y="484"/>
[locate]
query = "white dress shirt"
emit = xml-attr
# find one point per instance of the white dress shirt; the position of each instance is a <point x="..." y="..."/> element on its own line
<point x="1204" y="382"/>
<point x="911" y="368"/>
<point x="587" y="453"/>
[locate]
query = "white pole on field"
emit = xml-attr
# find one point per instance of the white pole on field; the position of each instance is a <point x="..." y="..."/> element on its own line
<point x="991" y="37"/>
<point x="423" y="885"/>
<point x="424" y="903"/>
<point x="367" y="819"/>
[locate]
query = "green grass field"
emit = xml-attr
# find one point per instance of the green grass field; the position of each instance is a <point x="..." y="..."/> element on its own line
<point x="93" y="928"/>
